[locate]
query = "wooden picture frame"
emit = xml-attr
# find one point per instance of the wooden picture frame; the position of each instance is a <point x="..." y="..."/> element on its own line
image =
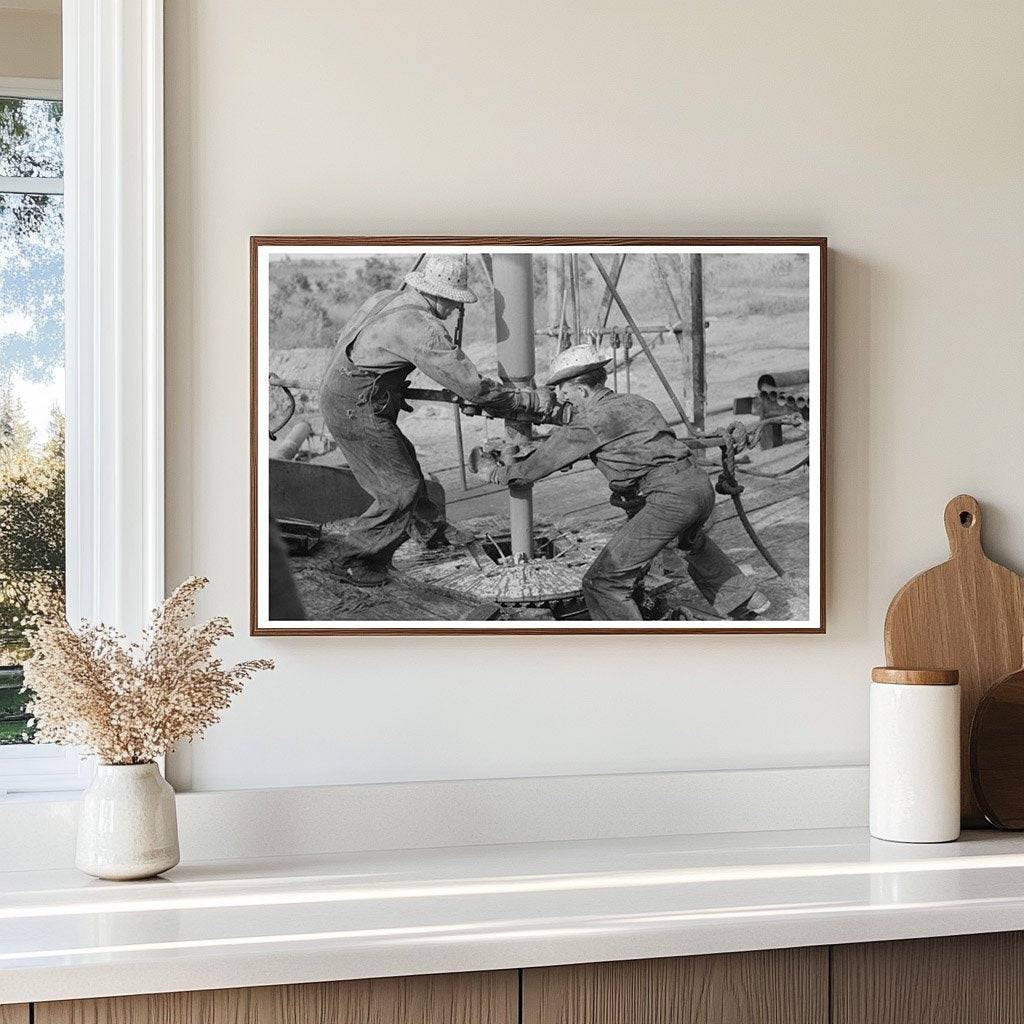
<point x="755" y="307"/>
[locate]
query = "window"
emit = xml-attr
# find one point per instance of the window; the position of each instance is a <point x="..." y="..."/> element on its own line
<point x="109" y="208"/>
<point x="32" y="508"/>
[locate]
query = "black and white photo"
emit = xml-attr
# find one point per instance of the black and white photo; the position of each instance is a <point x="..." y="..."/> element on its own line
<point x="525" y="435"/>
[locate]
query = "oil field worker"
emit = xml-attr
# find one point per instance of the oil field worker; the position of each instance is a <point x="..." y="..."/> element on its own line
<point x="648" y="469"/>
<point x="393" y="333"/>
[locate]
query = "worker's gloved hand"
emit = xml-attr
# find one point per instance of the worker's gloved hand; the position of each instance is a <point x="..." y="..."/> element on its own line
<point x="497" y="398"/>
<point x="483" y="462"/>
<point x="546" y="400"/>
<point x="535" y="400"/>
<point x="503" y="400"/>
<point x="491" y="463"/>
<point x="493" y="470"/>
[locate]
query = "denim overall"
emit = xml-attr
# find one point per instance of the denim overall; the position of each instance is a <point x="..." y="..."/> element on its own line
<point x="669" y="510"/>
<point x="360" y="407"/>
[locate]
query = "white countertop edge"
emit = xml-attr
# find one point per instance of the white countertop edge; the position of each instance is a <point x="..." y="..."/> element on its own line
<point x="543" y="946"/>
<point x="230" y="924"/>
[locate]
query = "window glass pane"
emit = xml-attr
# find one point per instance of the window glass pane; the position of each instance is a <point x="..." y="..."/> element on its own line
<point x="31" y="433"/>
<point x="31" y="138"/>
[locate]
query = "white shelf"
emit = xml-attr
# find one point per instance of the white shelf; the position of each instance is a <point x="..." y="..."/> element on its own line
<point x="352" y="915"/>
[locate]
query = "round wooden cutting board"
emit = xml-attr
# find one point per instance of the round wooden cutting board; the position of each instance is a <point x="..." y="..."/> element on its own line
<point x="967" y="614"/>
<point x="997" y="752"/>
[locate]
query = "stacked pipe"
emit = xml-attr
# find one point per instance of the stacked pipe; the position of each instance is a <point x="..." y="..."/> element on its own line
<point x="787" y="390"/>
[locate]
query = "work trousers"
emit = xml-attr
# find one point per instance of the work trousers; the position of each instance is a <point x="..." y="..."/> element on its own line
<point x="383" y="461"/>
<point x="678" y="501"/>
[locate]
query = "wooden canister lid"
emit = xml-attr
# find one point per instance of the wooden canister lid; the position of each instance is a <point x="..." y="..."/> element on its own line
<point x="916" y="676"/>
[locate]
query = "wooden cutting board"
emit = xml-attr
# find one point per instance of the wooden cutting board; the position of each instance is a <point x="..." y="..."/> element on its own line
<point x="997" y="752"/>
<point x="967" y="614"/>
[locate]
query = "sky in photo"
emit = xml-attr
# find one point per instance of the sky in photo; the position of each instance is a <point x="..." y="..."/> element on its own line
<point x="31" y="261"/>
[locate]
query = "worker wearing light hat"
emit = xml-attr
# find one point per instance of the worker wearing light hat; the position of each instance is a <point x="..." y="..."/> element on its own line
<point x="652" y="474"/>
<point x="392" y="334"/>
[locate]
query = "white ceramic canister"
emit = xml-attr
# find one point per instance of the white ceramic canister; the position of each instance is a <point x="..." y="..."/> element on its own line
<point x="915" y="755"/>
<point x="127" y="823"/>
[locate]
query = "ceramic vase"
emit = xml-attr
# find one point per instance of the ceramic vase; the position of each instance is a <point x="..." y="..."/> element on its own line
<point x="127" y="825"/>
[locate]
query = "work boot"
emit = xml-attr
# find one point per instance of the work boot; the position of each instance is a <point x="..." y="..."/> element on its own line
<point x="361" y="573"/>
<point x="447" y="535"/>
<point x="756" y="604"/>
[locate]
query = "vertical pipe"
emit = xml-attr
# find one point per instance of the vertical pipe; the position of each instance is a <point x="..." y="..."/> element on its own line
<point x="460" y="446"/>
<point x="456" y="411"/>
<point x="577" y="299"/>
<point x="680" y="328"/>
<point x="555" y="280"/>
<point x="700" y="388"/>
<point x="514" y="327"/>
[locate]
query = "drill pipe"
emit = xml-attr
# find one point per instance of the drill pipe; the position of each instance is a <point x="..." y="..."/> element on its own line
<point x="514" y="330"/>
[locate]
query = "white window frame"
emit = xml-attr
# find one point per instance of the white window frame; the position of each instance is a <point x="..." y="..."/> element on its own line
<point x="31" y="89"/>
<point x="114" y="334"/>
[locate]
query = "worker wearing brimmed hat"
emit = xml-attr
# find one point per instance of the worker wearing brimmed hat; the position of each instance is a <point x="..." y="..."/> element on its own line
<point x="652" y="474"/>
<point x="443" y="276"/>
<point x="392" y="334"/>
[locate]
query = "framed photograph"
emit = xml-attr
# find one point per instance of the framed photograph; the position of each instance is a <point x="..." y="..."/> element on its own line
<point x="537" y="435"/>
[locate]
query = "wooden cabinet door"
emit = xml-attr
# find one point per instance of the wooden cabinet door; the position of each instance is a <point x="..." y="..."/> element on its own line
<point x="482" y="998"/>
<point x="14" y="1013"/>
<point x="961" y="979"/>
<point x="778" y="986"/>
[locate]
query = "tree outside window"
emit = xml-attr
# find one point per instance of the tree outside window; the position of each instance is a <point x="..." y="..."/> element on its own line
<point x="31" y="387"/>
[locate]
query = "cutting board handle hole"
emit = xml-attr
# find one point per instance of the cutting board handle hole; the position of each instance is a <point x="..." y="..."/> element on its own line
<point x="962" y="518"/>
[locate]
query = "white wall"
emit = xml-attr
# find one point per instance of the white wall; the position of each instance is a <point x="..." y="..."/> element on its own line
<point x="895" y="129"/>
<point x="30" y="39"/>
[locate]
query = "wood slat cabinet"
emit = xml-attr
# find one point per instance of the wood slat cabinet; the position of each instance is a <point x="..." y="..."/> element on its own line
<point x="962" y="979"/>
<point x="969" y="979"/>
<point x="482" y="998"/>
<point x="775" y="986"/>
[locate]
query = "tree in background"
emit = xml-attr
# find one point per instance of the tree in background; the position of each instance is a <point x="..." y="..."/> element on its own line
<point x="31" y="540"/>
<point x="31" y="353"/>
<point x="379" y="273"/>
<point x="31" y="520"/>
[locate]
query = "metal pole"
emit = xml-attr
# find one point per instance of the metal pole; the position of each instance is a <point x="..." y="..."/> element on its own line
<point x="460" y="446"/>
<point x="573" y="278"/>
<point x="555" y="276"/>
<point x="661" y="277"/>
<point x="606" y="299"/>
<point x="638" y="334"/>
<point x="456" y="412"/>
<point x="700" y="385"/>
<point x="514" y="328"/>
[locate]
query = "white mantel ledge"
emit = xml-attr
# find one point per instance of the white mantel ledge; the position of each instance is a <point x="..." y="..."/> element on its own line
<point x="355" y="915"/>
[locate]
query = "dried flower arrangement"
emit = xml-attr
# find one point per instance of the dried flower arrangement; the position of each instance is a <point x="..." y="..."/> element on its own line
<point x="130" y="703"/>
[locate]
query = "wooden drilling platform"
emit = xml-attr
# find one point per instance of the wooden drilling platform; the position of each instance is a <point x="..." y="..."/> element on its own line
<point x="430" y="585"/>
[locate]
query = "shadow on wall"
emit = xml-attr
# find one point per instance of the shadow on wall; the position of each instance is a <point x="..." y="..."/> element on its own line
<point x="853" y="288"/>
